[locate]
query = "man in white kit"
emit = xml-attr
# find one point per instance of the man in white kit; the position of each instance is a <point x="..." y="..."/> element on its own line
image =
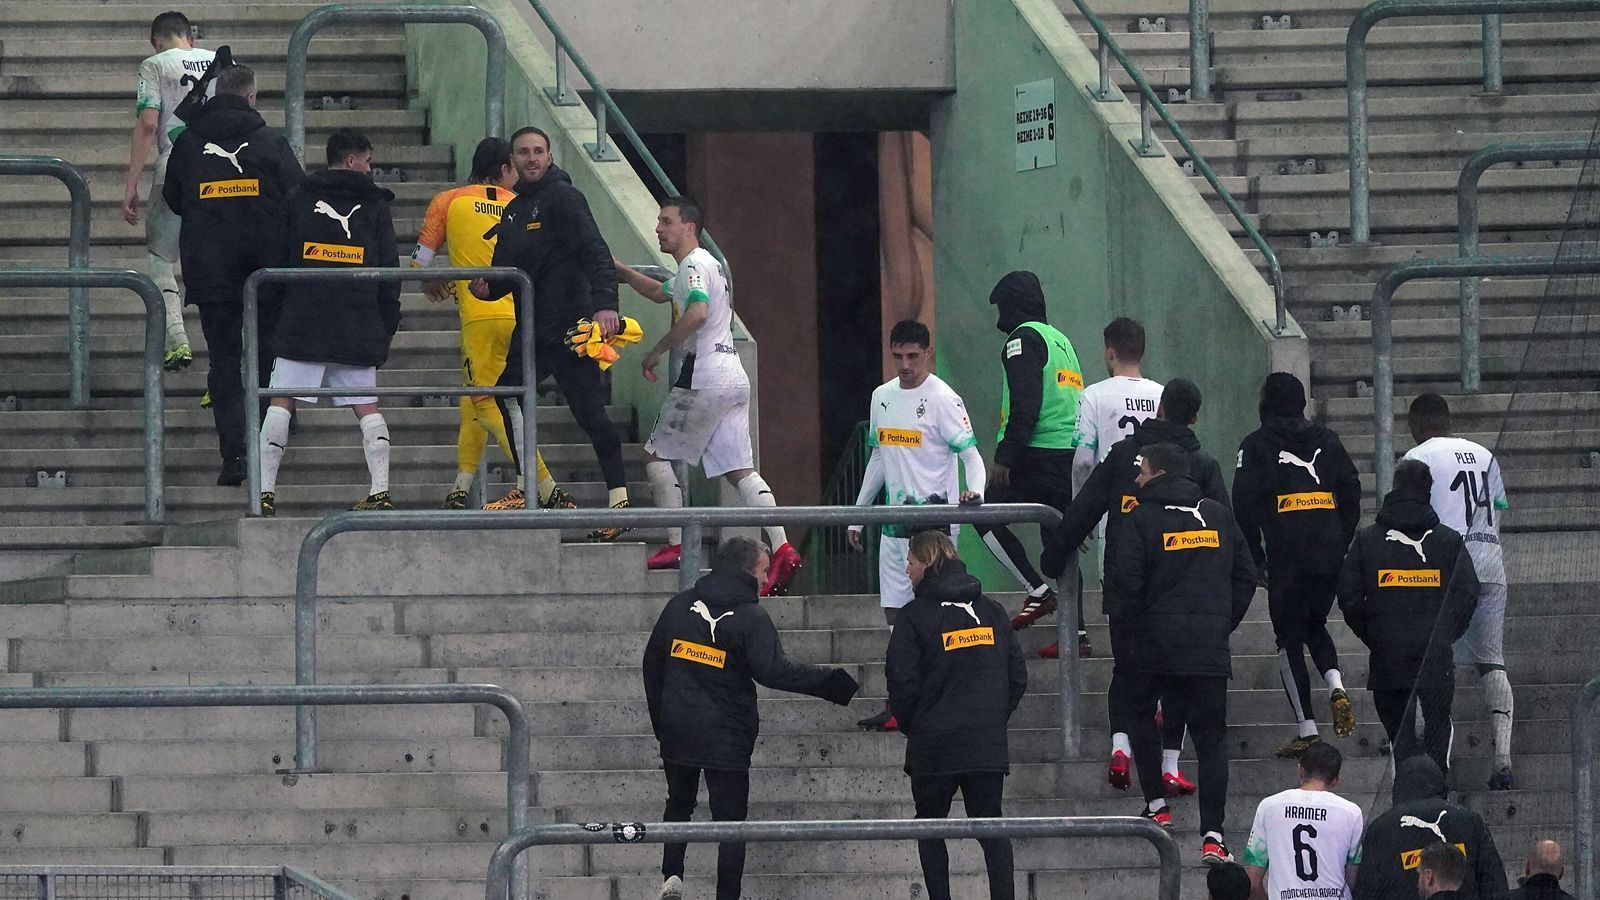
<point x="917" y="430"/>
<point x="1306" y="841"/>
<point x="1469" y="496"/>
<point x="164" y="80"/>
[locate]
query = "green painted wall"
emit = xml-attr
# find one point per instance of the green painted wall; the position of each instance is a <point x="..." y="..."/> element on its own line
<point x="445" y="64"/>
<point x="1107" y="232"/>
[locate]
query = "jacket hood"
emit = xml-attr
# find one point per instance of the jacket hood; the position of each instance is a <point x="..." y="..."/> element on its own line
<point x="1174" y="489"/>
<point x="346" y="183"/>
<point x="1408" y="510"/>
<point x="1160" y="431"/>
<point x="1020" y="299"/>
<point x="950" y="584"/>
<point x="553" y="176"/>
<point x="1282" y="396"/>
<point x="1294" y="432"/>
<point x="1418" y="778"/>
<point x="725" y="590"/>
<point x="226" y="117"/>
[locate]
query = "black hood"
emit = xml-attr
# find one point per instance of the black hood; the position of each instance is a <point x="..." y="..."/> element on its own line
<point x="725" y="590"/>
<point x="227" y="117"/>
<point x="346" y="183"/>
<point x="950" y="583"/>
<point x="1160" y="431"/>
<point x="1282" y="396"/>
<point x="1177" y="490"/>
<point x="1020" y="299"/>
<point x="1295" y="433"/>
<point x="553" y="176"/>
<point x="1418" y="778"/>
<point x="1408" y="510"/>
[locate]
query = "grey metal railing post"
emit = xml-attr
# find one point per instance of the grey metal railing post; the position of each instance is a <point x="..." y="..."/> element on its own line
<point x="1355" y="61"/>
<point x="527" y="394"/>
<point x="516" y="844"/>
<point x="154" y="344"/>
<point x="519" y="739"/>
<point x="494" y="79"/>
<point x="77" y="258"/>
<point x="1383" y="329"/>
<point x="1104" y="93"/>
<point x="1494" y="79"/>
<point x="1200" y="51"/>
<point x="1070" y="589"/>
<point x="1468" y="229"/>
<point x="1582" y="728"/>
<point x="562" y="94"/>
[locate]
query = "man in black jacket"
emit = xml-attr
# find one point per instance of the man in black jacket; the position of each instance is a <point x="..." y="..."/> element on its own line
<point x="1408" y="591"/>
<point x="228" y="178"/>
<point x="1040" y="385"/>
<point x="710" y="648"/>
<point x="956" y="675"/>
<point x="549" y="232"/>
<point x="335" y="333"/>
<point x="1542" y="874"/>
<point x="1296" y="485"/>
<point x="1111" y="492"/>
<point x="1183" y="580"/>
<point x="1441" y="870"/>
<point x="1391" y="848"/>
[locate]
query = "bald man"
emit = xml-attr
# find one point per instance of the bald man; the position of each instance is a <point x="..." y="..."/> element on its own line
<point x="1543" y="871"/>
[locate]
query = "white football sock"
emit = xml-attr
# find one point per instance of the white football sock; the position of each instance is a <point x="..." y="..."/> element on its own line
<point x="1334" y="679"/>
<point x="1041" y="590"/>
<point x="1497" y="695"/>
<point x="753" y="491"/>
<point x="1157" y="805"/>
<point x="1169" y="762"/>
<point x="161" y="273"/>
<point x="1308" y="728"/>
<point x="464" y="480"/>
<point x="667" y="492"/>
<point x="274" y="438"/>
<point x="375" y="444"/>
<point x="1120" y="744"/>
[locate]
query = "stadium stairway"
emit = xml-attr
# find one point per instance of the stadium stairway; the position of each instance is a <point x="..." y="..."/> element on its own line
<point x="410" y="804"/>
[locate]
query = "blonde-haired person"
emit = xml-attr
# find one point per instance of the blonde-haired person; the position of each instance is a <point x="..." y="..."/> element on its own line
<point x="955" y="674"/>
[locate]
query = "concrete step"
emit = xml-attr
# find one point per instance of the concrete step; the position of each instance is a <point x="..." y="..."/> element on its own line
<point x="267" y="756"/>
<point x="38" y="90"/>
<point x="313" y="792"/>
<point x="366" y="54"/>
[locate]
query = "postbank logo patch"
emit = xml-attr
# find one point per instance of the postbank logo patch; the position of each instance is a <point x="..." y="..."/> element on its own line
<point x="1310" y="500"/>
<point x="1129" y="503"/>
<point x="533" y="226"/>
<point x="699" y="653"/>
<point x="1069" y="378"/>
<point x="1207" y="539"/>
<point x="1411" y="859"/>
<point x="238" y="187"/>
<point x="968" y="637"/>
<point x="899" y="437"/>
<point x="1409" y="578"/>
<point x="335" y="253"/>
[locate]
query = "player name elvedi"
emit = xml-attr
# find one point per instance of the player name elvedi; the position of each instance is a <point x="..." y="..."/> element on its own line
<point x="968" y="637"/>
<point x="899" y="437"/>
<point x="699" y="653"/>
<point x="238" y="187"/>
<point x="1308" y="813"/>
<point x="1310" y="500"/>
<point x="339" y="253"/>
<point x="1414" y="578"/>
<point x="1191" y="540"/>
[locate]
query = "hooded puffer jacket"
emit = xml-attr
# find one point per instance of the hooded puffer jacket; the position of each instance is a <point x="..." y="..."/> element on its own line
<point x="1421" y="816"/>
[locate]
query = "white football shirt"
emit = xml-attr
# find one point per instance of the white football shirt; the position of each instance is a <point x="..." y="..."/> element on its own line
<point x="1304" y="839"/>
<point x="1109" y="410"/>
<point x="712" y="356"/>
<point x="164" y="80"/>
<point x="917" y="434"/>
<point x="1469" y="496"/>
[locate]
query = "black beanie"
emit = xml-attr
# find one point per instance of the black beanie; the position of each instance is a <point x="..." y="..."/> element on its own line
<point x="1283" y="396"/>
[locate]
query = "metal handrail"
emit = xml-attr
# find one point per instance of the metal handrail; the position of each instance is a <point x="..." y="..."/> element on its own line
<point x="1467" y="230"/>
<point x="253" y="391"/>
<point x="311" y="547"/>
<point x="1355" y="66"/>
<point x="154" y="342"/>
<point x="77" y="258"/>
<point x="515" y="844"/>
<point x="607" y="112"/>
<point x="1149" y="103"/>
<point x="1581" y="724"/>
<point x="494" y="79"/>
<point x="283" y="877"/>
<point x="1383" y="328"/>
<point x="519" y="740"/>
